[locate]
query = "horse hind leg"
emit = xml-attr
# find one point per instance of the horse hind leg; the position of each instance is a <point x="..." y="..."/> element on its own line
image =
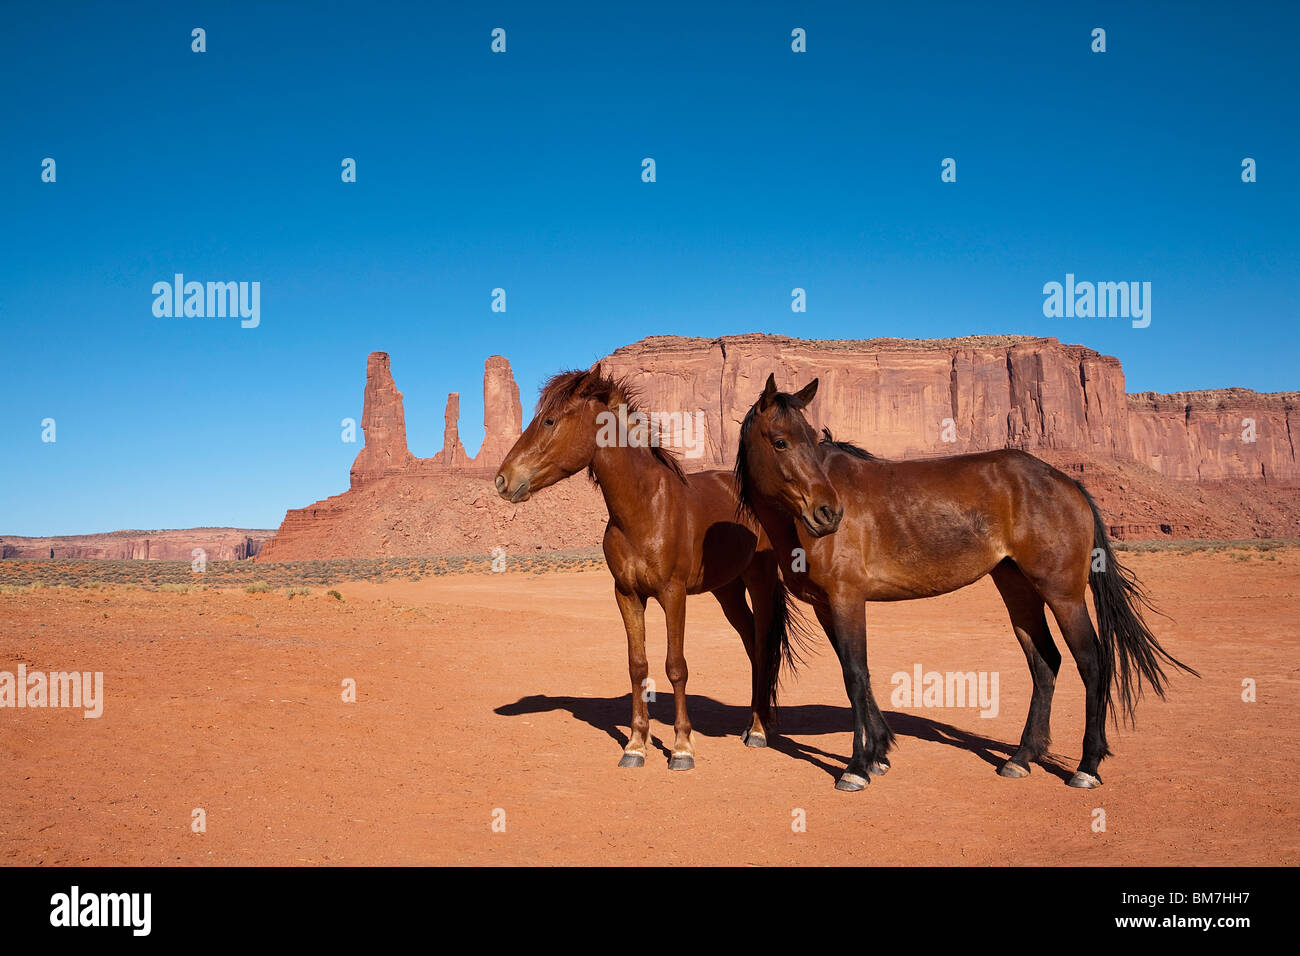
<point x="1095" y="669"/>
<point x="1026" y="609"/>
<point x="732" y="599"/>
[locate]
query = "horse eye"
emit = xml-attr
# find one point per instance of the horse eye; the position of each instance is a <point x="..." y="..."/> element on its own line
<point x="780" y="444"/>
<point x="549" y="422"/>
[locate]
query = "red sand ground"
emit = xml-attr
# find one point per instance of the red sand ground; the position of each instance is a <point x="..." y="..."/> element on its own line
<point x="481" y="692"/>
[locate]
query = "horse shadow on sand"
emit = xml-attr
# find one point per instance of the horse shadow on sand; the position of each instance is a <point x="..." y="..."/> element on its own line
<point x="712" y="718"/>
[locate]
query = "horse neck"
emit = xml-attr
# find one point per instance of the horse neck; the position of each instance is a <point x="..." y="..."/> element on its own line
<point x="779" y="526"/>
<point x="628" y="477"/>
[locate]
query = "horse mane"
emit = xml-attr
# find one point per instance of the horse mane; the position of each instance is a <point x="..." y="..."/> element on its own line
<point x="786" y="403"/>
<point x="848" y="447"/>
<point x="566" y="387"/>
<point x="740" y="474"/>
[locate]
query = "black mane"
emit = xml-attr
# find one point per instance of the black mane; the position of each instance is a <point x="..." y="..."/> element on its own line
<point x="848" y="447"/>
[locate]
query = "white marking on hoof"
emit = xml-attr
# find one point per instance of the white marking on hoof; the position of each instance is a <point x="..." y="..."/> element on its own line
<point x="851" y="782"/>
<point x="1084" y="781"/>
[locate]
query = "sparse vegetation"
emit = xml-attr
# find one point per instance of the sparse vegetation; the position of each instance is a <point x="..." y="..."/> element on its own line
<point x="297" y="578"/>
<point x="1214" y="546"/>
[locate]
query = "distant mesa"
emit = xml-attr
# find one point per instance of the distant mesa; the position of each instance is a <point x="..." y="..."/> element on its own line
<point x="217" y="544"/>
<point x="1207" y="464"/>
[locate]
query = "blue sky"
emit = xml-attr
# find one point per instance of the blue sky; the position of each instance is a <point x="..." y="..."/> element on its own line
<point x="523" y="171"/>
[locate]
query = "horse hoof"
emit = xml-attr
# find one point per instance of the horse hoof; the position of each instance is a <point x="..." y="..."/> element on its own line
<point x="879" y="768"/>
<point x="1084" y="781"/>
<point x="1013" y="770"/>
<point x="632" y="760"/>
<point x="754" y="738"/>
<point x="681" y="762"/>
<point x="851" y="782"/>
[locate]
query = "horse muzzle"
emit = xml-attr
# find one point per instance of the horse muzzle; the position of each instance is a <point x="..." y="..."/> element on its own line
<point x="822" y="520"/>
<point x="521" y="491"/>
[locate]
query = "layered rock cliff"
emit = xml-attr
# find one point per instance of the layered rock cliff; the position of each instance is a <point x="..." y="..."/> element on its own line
<point x="1217" y="435"/>
<point x="1195" y="464"/>
<point x="903" y="398"/>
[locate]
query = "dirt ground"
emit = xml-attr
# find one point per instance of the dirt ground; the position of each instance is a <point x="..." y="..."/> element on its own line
<point x="505" y="698"/>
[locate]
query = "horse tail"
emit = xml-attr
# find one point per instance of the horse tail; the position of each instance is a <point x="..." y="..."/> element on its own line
<point x="1130" y="653"/>
<point x="787" y="636"/>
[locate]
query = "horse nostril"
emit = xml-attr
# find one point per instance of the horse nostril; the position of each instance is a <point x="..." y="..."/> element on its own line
<point x="826" y="515"/>
<point x="501" y="484"/>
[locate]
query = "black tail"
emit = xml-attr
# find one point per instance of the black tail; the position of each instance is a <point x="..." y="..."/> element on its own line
<point x="1122" y="631"/>
<point x="788" y="634"/>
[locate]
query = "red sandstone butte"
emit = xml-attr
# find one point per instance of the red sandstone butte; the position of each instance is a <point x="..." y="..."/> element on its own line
<point x="503" y="420"/>
<point x="402" y="505"/>
<point x="1211" y="464"/>
<point x="383" y="422"/>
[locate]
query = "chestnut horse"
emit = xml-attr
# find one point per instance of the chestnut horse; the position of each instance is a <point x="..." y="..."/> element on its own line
<point x="669" y="534"/>
<point x="877" y="530"/>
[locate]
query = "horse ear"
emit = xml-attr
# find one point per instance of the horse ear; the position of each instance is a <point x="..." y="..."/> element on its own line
<point x="805" y="394"/>
<point x="769" y="392"/>
<point x="594" y="384"/>
<point x="591" y="380"/>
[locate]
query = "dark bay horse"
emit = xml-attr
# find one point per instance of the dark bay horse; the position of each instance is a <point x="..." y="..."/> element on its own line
<point x="669" y="534"/>
<point x="876" y="530"/>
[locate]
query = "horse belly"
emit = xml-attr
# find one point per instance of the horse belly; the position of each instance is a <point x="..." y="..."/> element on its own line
<point x="928" y="573"/>
<point x="720" y="549"/>
<point x="711" y="576"/>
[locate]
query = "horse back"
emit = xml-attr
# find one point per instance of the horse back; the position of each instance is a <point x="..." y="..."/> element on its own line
<point x="932" y="525"/>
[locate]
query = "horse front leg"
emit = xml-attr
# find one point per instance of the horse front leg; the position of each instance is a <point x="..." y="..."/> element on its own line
<point x="846" y="625"/>
<point x="632" y="607"/>
<point x="674" y="605"/>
